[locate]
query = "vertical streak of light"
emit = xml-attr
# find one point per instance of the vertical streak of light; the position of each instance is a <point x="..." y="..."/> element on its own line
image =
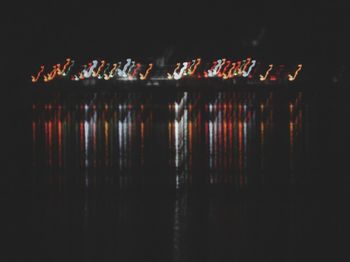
<point x="177" y="145"/>
<point x="94" y="138"/>
<point x="234" y="143"/>
<point x="176" y="124"/>
<point x="225" y="139"/>
<point x="211" y="135"/>
<point x="176" y="135"/>
<point x="82" y="143"/>
<point x="130" y="134"/>
<point x="176" y="228"/>
<point x="245" y="140"/>
<point x="185" y="138"/>
<point x="46" y="140"/>
<point x="291" y="144"/>
<point x="179" y="227"/>
<point x="106" y="129"/>
<point x="230" y="130"/>
<point x="120" y="145"/>
<point x="34" y="141"/>
<point x="215" y="140"/>
<point x="100" y="119"/>
<point x="75" y="124"/>
<point x="262" y="143"/>
<point x="206" y="132"/>
<point x="170" y="146"/>
<point x="86" y="142"/>
<point x="199" y="123"/>
<point x="59" y="143"/>
<point x="245" y="150"/>
<point x="190" y="143"/>
<point x="240" y="149"/>
<point x="125" y="141"/>
<point x="86" y="202"/>
<point x="65" y="131"/>
<point x="220" y="138"/>
<point x="50" y="143"/>
<point x="113" y="138"/>
<point x="143" y="142"/>
<point x="300" y="119"/>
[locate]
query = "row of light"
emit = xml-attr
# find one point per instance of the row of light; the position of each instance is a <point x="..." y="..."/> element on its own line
<point x="131" y="70"/>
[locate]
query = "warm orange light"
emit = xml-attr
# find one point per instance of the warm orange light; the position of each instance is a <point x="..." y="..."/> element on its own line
<point x="144" y="76"/>
<point x="221" y="65"/>
<point x="237" y="70"/>
<point x="224" y="76"/>
<point x="50" y="76"/>
<point x="230" y="74"/>
<point x="240" y="70"/>
<point x="262" y="78"/>
<point x="292" y="78"/>
<point x="195" y="66"/>
<point x="58" y="69"/>
<point x="68" y="60"/>
<point x="36" y="78"/>
<point x="221" y="68"/>
<point x="290" y="107"/>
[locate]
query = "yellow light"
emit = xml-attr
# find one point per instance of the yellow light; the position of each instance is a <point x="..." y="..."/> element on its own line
<point x="65" y="66"/>
<point x="196" y="65"/>
<point x="36" y="78"/>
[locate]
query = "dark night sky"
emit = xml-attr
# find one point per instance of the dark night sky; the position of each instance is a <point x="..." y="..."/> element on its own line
<point x="286" y="32"/>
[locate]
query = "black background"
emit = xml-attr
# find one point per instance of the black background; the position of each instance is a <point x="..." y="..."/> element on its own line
<point x="314" y="34"/>
<point x="286" y="31"/>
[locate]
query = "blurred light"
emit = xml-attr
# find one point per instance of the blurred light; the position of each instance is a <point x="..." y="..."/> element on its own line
<point x="36" y="78"/>
<point x="144" y="76"/>
<point x="262" y="78"/>
<point x="292" y="78"/>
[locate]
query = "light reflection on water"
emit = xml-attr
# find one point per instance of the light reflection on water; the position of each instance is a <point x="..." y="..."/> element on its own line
<point x="228" y="137"/>
<point x="135" y="158"/>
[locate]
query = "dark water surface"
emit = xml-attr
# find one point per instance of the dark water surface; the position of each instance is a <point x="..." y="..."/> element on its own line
<point x="177" y="176"/>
